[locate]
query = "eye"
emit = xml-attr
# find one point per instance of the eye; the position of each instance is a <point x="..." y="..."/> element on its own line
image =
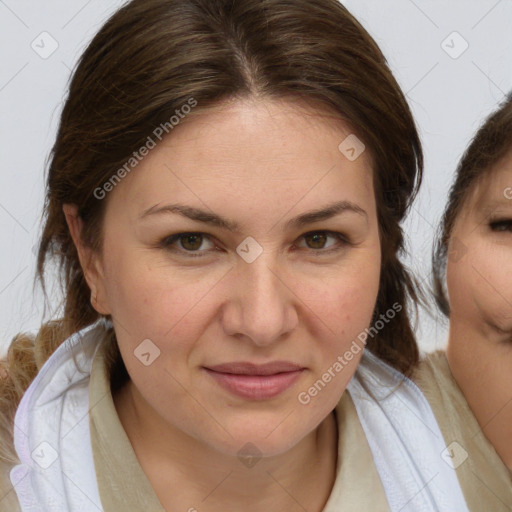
<point x="189" y="244"/>
<point x="501" y="225"/>
<point x="318" y="239"/>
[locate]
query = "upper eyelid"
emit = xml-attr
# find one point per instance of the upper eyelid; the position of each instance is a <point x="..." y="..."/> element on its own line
<point x="500" y="221"/>
<point x="497" y="220"/>
<point x="500" y="225"/>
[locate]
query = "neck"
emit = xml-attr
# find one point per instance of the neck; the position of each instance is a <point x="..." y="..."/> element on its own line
<point x="297" y="480"/>
<point x="481" y="363"/>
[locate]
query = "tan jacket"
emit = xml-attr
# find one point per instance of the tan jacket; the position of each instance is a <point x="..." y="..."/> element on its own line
<point x="483" y="477"/>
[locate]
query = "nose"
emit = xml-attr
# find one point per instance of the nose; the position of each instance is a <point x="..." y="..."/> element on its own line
<point x="261" y="306"/>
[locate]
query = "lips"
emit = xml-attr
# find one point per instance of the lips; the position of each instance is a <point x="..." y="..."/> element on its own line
<point x="243" y="368"/>
<point x="255" y="382"/>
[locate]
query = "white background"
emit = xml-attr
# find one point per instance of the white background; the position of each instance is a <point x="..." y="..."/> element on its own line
<point x="449" y="98"/>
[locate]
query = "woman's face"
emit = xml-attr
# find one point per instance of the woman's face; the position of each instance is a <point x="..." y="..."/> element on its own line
<point x="266" y="279"/>
<point x="479" y="280"/>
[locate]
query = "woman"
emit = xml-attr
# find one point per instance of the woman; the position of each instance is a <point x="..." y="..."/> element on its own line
<point x="185" y="377"/>
<point x="470" y="386"/>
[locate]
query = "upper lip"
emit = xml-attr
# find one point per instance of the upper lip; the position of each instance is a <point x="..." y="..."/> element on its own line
<point x="245" y="368"/>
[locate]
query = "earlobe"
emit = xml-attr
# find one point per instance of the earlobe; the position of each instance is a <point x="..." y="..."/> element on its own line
<point x="96" y="304"/>
<point x="88" y="260"/>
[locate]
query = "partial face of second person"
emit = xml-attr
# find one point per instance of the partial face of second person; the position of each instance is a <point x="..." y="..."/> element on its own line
<point x="479" y="281"/>
<point x="303" y="299"/>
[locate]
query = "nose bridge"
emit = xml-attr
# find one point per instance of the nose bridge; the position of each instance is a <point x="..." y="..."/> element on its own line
<point x="265" y="303"/>
<point x="262" y="282"/>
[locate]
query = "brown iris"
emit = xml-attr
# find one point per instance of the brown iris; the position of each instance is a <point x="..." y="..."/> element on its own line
<point x="192" y="242"/>
<point x="318" y="238"/>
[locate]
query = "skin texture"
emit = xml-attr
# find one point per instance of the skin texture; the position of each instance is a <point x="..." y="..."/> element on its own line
<point x="479" y="280"/>
<point x="259" y="163"/>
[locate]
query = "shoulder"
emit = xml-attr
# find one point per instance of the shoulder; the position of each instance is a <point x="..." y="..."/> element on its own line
<point x="484" y="479"/>
<point x="434" y="377"/>
<point x="432" y="363"/>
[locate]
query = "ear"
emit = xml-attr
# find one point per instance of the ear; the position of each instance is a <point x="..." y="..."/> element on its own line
<point x="90" y="260"/>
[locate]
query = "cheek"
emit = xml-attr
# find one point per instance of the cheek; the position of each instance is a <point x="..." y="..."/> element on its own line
<point x="493" y="284"/>
<point x="480" y="286"/>
<point x="460" y="288"/>
<point x="347" y="303"/>
<point x="343" y="307"/>
<point x="155" y="301"/>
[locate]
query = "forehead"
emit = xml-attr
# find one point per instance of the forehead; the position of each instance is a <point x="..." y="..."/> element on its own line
<point x="493" y="186"/>
<point x="256" y="153"/>
<point x="267" y="128"/>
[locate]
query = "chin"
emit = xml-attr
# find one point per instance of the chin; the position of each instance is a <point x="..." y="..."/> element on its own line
<point x="260" y="439"/>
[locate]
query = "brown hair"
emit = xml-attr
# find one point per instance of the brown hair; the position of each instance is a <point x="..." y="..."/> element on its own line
<point x="491" y="143"/>
<point x="147" y="61"/>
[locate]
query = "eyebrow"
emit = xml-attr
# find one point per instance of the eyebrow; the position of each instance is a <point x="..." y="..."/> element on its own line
<point x="213" y="219"/>
<point x="490" y="206"/>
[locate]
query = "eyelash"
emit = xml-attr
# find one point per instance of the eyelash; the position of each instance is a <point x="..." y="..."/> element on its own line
<point x="167" y="242"/>
<point x="495" y="224"/>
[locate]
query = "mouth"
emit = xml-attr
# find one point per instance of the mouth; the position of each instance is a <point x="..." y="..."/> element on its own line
<point x="255" y="382"/>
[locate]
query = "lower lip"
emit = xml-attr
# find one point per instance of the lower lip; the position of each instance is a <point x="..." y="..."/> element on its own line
<point x="255" y="387"/>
